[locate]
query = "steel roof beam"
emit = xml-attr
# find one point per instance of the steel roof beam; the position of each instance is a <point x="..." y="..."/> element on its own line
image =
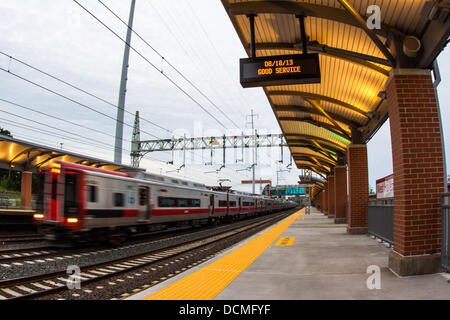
<point x="435" y="38"/>
<point x="299" y="143"/>
<point x="324" y="151"/>
<point x="297" y="136"/>
<point x="325" y="166"/>
<point x="319" y="124"/>
<point x="318" y="107"/>
<point x="308" y="9"/>
<point x="312" y="147"/>
<point x="314" y="46"/>
<point x="323" y="160"/>
<point x="299" y="108"/>
<point x="48" y="159"/>
<point x="20" y="154"/>
<point x="312" y="166"/>
<point x="318" y="97"/>
<point x="372" y="35"/>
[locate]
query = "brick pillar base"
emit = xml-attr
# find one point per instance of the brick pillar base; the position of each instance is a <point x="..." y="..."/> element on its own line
<point x="318" y="201"/>
<point x="340" y="193"/>
<point x="325" y="199"/>
<point x="331" y="197"/>
<point x="418" y="171"/>
<point x="25" y="190"/>
<point x="358" y="187"/>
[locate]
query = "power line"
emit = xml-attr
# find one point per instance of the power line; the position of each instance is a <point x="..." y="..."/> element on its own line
<point x="167" y="61"/>
<point x="55" y="117"/>
<point x="49" y="126"/>
<point x="150" y="63"/>
<point x="70" y="99"/>
<point x="43" y="131"/>
<point x="216" y="51"/>
<point x="77" y="88"/>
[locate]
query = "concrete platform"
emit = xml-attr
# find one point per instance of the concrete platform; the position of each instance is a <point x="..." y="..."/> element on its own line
<point x="322" y="262"/>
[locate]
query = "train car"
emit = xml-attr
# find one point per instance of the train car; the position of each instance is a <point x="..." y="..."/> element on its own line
<point x="84" y="203"/>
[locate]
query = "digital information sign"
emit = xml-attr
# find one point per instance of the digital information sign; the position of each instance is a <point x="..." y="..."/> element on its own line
<point x="280" y="70"/>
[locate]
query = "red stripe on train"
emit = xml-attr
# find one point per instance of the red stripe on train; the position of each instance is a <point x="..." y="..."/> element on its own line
<point x="168" y="212"/>
<point x="130" y="213"/>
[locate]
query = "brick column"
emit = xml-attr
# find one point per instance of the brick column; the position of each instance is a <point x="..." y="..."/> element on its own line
<point x="340" y="191"/>
<point x="331" y="197"/>
<point x="318" y="201"/>
<point x="418" y="171"/>
<point x="358" y="188"/>
<point x="25" y="190"/>
<point x="325" y="199"/>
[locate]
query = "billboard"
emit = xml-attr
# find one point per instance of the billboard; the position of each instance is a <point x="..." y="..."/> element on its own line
<point x="385" y="187"/>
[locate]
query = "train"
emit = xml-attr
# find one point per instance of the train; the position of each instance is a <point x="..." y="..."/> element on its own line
<point x="85" y="204"/>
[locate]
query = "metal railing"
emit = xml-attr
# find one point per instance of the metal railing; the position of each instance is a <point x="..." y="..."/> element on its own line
<point x="445" y="251"/>
<point x="8" y="200"/>
<point x="381" y="219"/>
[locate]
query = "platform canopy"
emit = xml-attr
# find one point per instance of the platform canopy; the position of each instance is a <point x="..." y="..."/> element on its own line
<point x="21" y="155"/>
<point x="349" y="105"/>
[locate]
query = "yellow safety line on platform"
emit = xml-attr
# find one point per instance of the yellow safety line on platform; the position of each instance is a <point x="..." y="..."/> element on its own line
<point x="209" y="281"/>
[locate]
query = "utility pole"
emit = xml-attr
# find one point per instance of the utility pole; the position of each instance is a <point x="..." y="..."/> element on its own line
<point x="123" y="89"/>
<point x="252" y="115"/>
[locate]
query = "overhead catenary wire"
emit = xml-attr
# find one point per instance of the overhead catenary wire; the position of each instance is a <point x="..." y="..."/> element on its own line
<point x="151" y="64"/>
<point x="75" y="87"/>
<point x="52" y="127"/>
<point x="58" y="118"/>
<point x="70" y="99"/>
<point x="217" y="53"/>
<point x="190" y="52"/>
<point x="63" y="96"/>
<point x="168" y="62"/>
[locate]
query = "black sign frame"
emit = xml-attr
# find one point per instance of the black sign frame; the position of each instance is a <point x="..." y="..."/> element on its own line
<point x="273" y="70"/>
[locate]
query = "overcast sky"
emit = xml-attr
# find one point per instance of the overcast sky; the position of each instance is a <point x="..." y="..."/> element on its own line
<point x="195" y="36"/>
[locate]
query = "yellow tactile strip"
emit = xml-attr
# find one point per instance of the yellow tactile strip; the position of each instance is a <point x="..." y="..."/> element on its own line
<point x="209" y="281"/>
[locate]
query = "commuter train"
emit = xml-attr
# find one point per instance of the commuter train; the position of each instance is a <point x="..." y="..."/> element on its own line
<point x="82" y="203"/>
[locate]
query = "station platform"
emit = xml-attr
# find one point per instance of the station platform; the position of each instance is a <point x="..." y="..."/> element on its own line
<point x="16" y="212"/>
<point x="302" y="257"/>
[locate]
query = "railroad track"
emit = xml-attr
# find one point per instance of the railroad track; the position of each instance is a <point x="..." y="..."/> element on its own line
<point x="20" y="238"/>
<point x="46" y="284"/>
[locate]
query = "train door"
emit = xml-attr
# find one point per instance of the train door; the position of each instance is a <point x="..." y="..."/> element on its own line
<point x="144" y="201"/>
<point x="211" y="204"/>
<point x="240" y="205"/>
<point x="71" y="196"/>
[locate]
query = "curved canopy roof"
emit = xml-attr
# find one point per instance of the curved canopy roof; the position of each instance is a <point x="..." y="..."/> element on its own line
<point x="348" y="105"/>
<point x="22" y="155"/>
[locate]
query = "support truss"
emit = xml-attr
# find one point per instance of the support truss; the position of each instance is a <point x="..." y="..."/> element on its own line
<point x="208" y="143"/>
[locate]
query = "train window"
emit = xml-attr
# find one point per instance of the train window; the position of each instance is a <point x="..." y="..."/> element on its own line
<point x="166" y="202"/>
<point x="175" y="181"/>
<point x="223" y="203"/>
<point x="118" y="199"/>
<point x="184" y="182"/>
<point x="195" y="202"/>
<point x="178" y="202"/>
<point x="232" y="203"/>
<point x="92" y="193"/>
<point x="182" y="203"/>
